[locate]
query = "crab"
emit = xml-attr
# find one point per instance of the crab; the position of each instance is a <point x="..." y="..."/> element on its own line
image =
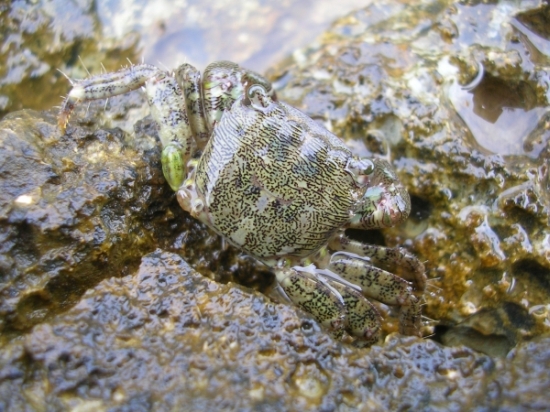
<point x="279" y="186"/>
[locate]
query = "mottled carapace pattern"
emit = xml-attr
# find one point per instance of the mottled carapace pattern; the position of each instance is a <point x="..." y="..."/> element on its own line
<point x="276" y="170"/>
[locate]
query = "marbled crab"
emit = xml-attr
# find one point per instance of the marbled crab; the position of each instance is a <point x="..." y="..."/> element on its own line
<point x="279" y="186"/>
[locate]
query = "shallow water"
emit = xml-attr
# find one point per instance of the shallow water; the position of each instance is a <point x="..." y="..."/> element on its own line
<point x="257" y="34"/>
<point x="42" y="38"/>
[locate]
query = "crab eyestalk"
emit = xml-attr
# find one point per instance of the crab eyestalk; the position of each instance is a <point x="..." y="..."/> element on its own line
<point x="385" y="202"/>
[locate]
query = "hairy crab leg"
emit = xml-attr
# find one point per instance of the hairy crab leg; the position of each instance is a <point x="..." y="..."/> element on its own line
<point x="382" y="286"/>
<point x="396" y="260"/>
<point x="335" y="305"/>
<point x="315" y="296"/>
<point x="167" y="105"/>
<point x="362" y="318"/>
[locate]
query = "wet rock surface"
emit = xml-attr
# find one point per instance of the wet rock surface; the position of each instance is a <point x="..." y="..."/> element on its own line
<point x="464" y="113"/>
<point x="43" y="40"/>
<point x="94" y="317"/>
<point x="168" y="338"/>
<point x="82" y="207"/>
<point x="68" y="213"/>
<point x="39" y="38"/>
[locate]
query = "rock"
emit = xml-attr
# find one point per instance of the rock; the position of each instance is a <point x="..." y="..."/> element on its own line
<point x="82" y="207"/>
<point x="167" y="338"/>
<point x="464" y="115"/>
<point x="68" y="218"/>
<point x="43" y="40"/>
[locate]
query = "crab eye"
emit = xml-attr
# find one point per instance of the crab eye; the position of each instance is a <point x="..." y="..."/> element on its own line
<point x="254" y="91"/>
<point x="360" y="167"/>
<point x="367" y="167"/>
<point x="360" y="170"/>
<point x="257" y="97"/>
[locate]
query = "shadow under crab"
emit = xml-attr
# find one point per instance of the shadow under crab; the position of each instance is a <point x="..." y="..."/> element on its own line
<point x="280" y="187"/>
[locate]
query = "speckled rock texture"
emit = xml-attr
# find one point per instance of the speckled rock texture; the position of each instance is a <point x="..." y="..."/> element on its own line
<point x="66" y="217"/>
<point x="168" y="338"/>
<point x="81" y="207"/>
<point x="40" y="37"/>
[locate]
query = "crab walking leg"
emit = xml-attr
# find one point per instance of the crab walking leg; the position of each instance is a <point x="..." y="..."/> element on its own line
<point x="103" y="86"/>
<point x="189" y="79"/>
<point x="362" y="319"/>
<point x="383" y="286"/>
<point x="316" y="297"/>
<point x="167" y="105"/>
<point x="394" y="260"/>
